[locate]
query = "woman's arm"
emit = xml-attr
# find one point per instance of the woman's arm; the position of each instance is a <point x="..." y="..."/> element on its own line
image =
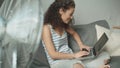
<point x="77" y="38"/>
<point x="46" y="37"/>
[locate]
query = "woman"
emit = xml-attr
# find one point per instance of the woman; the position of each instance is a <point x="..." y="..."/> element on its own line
<point x="54" y="36"/>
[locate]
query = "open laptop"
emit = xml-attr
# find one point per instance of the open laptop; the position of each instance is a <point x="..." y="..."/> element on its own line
<point x="97" y="47"/>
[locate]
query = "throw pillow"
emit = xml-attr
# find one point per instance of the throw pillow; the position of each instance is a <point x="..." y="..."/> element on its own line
<point x="112" y="45"/>
<point x="116" y="43"/>
<point x="100" y="30"/>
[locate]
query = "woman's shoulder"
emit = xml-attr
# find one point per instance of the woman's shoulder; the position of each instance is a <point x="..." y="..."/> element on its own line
<point x="46" y="27"/>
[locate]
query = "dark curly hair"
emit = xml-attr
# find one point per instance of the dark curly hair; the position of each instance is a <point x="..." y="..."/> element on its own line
<point x="52" y="15"/>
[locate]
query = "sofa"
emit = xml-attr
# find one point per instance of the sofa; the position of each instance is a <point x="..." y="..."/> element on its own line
<point x="89" y="34"/>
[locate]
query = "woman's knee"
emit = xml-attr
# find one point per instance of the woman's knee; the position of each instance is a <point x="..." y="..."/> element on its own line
<point x="78" y="65"/>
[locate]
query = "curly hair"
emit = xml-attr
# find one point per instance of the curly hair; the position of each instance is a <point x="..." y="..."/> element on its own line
<point x="53" y="17"/>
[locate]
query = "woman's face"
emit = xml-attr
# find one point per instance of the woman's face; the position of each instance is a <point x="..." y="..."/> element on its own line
<point x="67" y="15"/>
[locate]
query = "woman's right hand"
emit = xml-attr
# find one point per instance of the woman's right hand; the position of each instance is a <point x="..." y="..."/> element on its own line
<point x="80" y="54"/>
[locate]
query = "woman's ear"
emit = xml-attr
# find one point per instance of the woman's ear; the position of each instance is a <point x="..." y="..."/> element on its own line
<point x="61" y="11"/>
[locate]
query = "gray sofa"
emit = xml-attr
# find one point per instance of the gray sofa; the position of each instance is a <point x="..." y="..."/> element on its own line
<point x="88" y="35"/>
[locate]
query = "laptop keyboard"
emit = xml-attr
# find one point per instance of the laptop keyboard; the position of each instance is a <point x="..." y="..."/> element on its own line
<point x="90" y="54"/>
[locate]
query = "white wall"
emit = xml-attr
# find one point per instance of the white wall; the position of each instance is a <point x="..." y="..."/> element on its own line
<point x="92" y="10"/>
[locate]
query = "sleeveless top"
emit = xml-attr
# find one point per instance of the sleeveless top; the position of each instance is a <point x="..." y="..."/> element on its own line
<point x="60" y="44"/>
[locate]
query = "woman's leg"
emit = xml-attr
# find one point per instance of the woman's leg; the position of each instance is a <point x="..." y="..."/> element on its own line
<point x="78" y="65"/>
<point x="67" y="64"/>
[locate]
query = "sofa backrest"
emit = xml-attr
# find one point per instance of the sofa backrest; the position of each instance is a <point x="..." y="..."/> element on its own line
<point x="87" y="33"/>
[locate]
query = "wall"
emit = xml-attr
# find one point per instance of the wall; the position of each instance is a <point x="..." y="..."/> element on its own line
<point x="92" y="10"/>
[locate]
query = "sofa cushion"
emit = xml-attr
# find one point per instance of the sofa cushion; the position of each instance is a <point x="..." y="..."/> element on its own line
<point x="87" y="33"/>
<point x="39" y="59"/>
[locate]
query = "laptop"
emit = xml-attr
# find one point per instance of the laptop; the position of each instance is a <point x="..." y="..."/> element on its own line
<point x="96" y="49"/>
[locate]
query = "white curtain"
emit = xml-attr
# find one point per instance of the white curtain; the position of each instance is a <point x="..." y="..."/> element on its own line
<point x="20" y="31"/>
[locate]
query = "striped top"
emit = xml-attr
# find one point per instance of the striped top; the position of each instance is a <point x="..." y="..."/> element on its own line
<point x="60" y="44"/>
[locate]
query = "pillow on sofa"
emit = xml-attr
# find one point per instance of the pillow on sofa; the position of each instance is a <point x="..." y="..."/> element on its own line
<point x="116" y="43"/>
<point x="112" y="45"/>
<point x="100" y="30"/>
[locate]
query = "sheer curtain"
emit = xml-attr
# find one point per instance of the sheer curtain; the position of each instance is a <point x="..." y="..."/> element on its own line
<point x="21" y="22"/>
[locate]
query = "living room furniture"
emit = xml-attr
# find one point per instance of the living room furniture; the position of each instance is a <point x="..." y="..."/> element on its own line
<point x="88" y="35"/>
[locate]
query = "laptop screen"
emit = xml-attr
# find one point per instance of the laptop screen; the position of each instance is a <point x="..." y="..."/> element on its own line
<point x="100" y="43"/>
